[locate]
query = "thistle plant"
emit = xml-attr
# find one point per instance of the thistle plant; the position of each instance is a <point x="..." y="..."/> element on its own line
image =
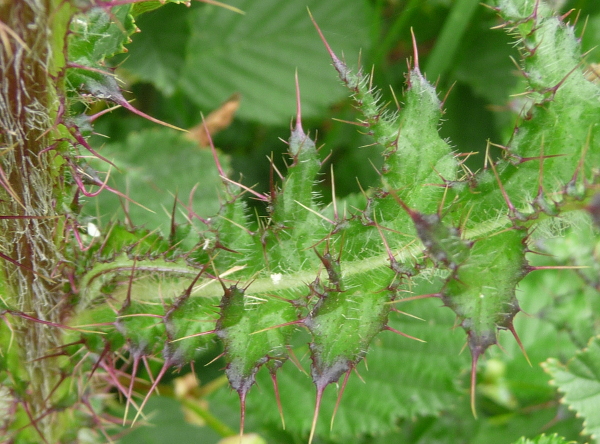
<point x="86" y="311"/>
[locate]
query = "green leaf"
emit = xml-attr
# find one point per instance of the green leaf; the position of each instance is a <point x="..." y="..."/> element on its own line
<point x="168" y="425"/>
<point x="483" y="64"/>
<point x="450" y="37"/>
<point x="591" y="36"/>
<point x="543" y="439"/>
<point x="457" y="426"/>
<point x="257" y="54"/>
<point x="567" y="298"/>
<point x="148" y="162"/>
<point x="150" y="5"/>
<point x="98" y="35"/>
<point x="157" y="54"/>
<point x="579" y="380"/>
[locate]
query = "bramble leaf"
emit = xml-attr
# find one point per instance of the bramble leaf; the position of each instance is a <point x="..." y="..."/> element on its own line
<point x="543" y="439"/>
<point x="147" y="162"/>
<point x="579" y="380"/>
<point x="260" y="51"/>
<point x="98" y="35"/>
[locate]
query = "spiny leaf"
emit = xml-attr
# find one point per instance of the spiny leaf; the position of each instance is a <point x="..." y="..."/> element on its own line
<point x="189" y="322"/>
<point x="482" y="290"/>
<point x="562" y="118"/>
<point x="416" y="158"/>
<point x="243" y="316"/>
<point x="247" y="347"/>
<point x="343" y="323"/>
<point x="142" y="324"/>
<point x="338" y="276"/>
<point x="398" y="369"/>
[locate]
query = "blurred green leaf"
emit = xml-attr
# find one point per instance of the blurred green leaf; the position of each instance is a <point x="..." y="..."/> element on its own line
<point x="457" y="426"/>
<point x="590" y="35"/>
<point x="157" y="54"/>
<point x="456" y="24"/>
<point x="156" y="165"/>
<point x="211" y="52"/>
<point x="579" y="380"/>
<point x="168" y="425"/>
<point x="483" y="63"/>
<point x="543" y="439"/>
<point x="150" y="5"/>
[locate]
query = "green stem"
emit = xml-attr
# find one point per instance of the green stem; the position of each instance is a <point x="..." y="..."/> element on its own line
<point x="447" y="42"/>
<point x="393" y="35"/>
<point x="212" y="421"/>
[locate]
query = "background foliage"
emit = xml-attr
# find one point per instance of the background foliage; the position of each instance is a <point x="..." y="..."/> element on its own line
<point x="188" y="61"/>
